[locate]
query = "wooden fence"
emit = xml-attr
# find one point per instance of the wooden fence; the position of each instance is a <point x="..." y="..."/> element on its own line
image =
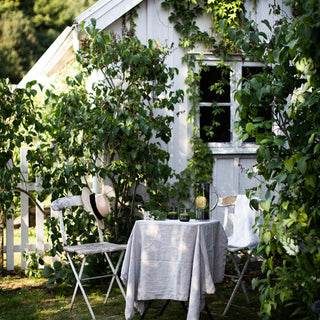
<point x="40" y="246"/>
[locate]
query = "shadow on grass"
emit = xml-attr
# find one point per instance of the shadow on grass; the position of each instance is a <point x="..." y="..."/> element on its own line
<point x="23" y="298"/>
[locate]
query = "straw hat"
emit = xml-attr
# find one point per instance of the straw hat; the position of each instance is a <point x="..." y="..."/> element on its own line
<point x="98" y="204"/>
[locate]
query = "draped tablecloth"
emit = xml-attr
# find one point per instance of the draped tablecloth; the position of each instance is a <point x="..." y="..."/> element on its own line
<point x="173" y="260"/>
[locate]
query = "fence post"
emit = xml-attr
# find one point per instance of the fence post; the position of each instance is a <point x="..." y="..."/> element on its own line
<point x="1" y="237"/>
<point x="39" y="223"/>
<point x="10" y="244"/>
<point x="24" y="205"/>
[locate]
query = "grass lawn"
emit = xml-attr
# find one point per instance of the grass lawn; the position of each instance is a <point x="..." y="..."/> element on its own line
<point x="29" y="299"/>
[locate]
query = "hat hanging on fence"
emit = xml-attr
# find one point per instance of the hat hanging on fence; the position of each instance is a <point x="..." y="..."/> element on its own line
<point x="98" y="204"/>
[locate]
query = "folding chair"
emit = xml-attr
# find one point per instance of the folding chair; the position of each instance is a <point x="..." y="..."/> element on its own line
<point x="244" y="238"/>
<point x="98" y="208"/>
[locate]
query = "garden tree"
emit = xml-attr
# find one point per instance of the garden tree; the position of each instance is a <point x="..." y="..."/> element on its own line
<point x="51" y="17"/>
<point x="287" y="158"/>
<point x="116" y="130"/>
<point x="17" y="45"/>
<point x="20" y="124"/>
<point x="27" y="29"/>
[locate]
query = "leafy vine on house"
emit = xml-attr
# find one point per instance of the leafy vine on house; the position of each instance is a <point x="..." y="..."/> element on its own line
<point x="184" y="15"/>
<point x="283" y="94"/>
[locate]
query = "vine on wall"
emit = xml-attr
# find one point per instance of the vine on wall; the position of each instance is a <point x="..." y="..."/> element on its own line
<point x="184" y="16"/>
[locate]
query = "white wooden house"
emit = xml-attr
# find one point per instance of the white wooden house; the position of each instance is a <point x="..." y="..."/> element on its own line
<point x="231" y="156"/>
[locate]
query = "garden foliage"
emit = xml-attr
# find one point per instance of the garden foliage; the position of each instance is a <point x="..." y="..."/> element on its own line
<point x="115" y="131"/>
<point x="287" y="157"/>
<point x="28" y="28"/>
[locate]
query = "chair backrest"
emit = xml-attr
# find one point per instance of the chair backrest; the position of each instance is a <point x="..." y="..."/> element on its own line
<point x="243" y="233"/>
<point x="64" y="203"/>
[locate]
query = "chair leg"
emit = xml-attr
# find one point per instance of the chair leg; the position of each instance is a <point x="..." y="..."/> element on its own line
<point x="239" y="282"/>
<point x="164" y="308"/>
<point x="242" y="274"/>
<point x="79" y="285"/>
<point x="208" y="312"/>
<point x="166" y="305"/>
<point x="147" y="308"/>
<point x="115" y="275"/>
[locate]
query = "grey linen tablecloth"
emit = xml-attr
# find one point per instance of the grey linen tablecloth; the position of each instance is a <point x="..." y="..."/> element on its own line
<point x="173" y="260"/>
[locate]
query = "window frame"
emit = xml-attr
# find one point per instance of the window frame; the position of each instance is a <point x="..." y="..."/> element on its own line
<point x="235" y="146"/>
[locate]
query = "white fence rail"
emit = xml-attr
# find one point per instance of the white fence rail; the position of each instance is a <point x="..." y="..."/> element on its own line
<point x="40" y="246"/>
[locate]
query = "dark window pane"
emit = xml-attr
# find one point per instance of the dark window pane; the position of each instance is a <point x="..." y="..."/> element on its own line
<point x="221" y="133"/>
<point x="210" y="77"/>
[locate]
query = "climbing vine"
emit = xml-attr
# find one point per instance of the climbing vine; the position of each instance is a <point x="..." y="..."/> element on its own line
<point x="216" y="40"/>
<point x="287" y="158"/>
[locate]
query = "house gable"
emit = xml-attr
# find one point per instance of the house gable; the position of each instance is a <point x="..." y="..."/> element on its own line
<point x="63" y="49"/>
<point x="105" y="12"/>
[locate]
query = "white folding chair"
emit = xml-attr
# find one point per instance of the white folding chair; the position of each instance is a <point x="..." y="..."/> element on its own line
<point x="84" y="250"/>
<point x="244" y="238"/>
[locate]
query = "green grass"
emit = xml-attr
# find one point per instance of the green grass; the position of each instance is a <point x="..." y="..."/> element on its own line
<point x="29" y="299"/>
<point x="23" y="298"/>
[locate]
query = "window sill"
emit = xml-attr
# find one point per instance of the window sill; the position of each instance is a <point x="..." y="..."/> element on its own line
<point x="229" y="148"/>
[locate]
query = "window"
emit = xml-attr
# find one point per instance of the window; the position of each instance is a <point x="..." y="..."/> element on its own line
<point x="215" y="104"/>
<point x="218" y="108"/>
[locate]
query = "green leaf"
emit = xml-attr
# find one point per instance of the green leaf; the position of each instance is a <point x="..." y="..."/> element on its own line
<point x="266" y="22"/>
<point x="281" y="177"/>
<point x="279" y="140"/>
<point x="311" y="181"/>
<point x="249" y="127"/>
<point x="47" y="271"/>
<point x="266" y="204"/>
<point x="266" y="140"/>
<point x="302" y="164"/>
<point x="289" y="164"/>
<point x="57" y="265"/>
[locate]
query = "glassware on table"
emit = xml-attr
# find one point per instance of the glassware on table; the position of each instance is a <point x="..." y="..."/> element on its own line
<point x="184" y="214"/>
<point x="202" y="201"/>
<point x="173" y="213"/>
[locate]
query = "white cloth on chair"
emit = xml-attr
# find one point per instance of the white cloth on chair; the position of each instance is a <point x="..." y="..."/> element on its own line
<point x="244" y="235"/>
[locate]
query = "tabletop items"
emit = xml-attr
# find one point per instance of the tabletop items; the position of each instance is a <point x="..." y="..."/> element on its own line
<point x="183" y="214"/>
<point x="177" y="213"/>
<point x="200" y="207"/>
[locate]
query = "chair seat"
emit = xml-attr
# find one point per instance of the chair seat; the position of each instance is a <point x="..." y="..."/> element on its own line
<point x="98" y="247"/>
<point x="239" y="248"/>
<point x="233" y="249"/>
